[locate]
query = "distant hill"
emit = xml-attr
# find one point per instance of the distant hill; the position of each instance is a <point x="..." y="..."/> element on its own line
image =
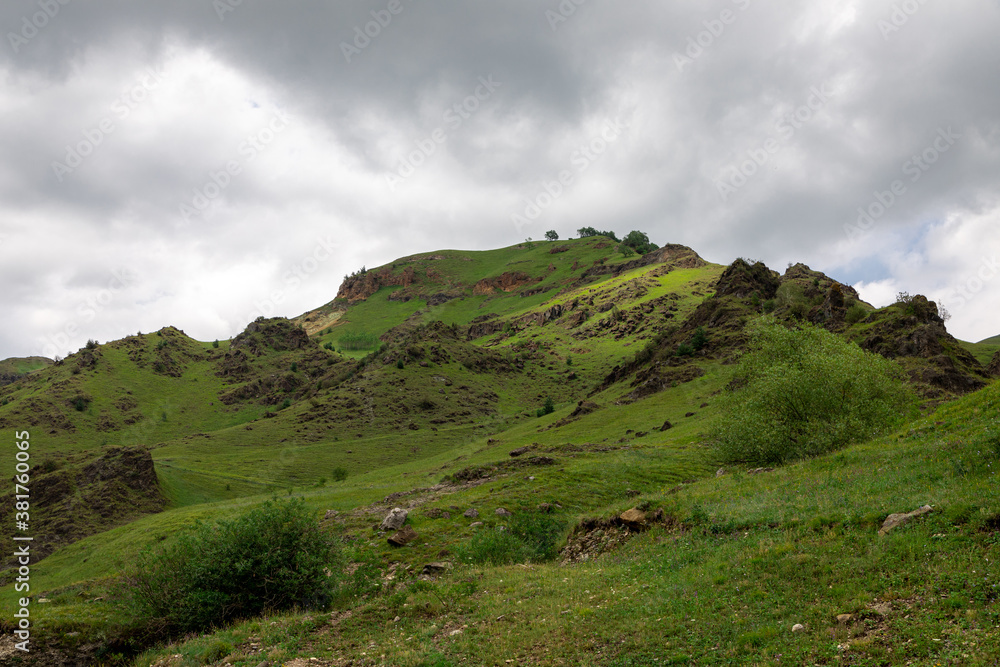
<point x="16" y="367"/>
<point x="992" y="340"/>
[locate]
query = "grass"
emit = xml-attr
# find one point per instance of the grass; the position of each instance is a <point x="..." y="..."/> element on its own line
<point x="738" y="559"/>
<point x="748" y="557"/>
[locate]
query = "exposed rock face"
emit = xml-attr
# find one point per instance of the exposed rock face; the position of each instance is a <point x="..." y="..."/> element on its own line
<point x="70" y="503"/>
<point x="743" y="280"/>
<point x="362" y="285"/>
<point x="276" y="333"/>
<point x="994" y="368"/>
<point x="505" y="282"/>
<point x="919" y="332"/>
<point x="672" y="256"/>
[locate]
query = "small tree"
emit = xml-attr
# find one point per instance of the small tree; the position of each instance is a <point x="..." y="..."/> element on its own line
<point x="552" y="235"/>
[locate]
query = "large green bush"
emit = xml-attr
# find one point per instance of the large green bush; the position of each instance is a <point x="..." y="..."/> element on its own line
<point x="805" y="391"/>
<point x="272" y="557"/>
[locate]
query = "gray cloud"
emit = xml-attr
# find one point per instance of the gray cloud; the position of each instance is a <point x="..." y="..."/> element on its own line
<point x="704" y="93"/>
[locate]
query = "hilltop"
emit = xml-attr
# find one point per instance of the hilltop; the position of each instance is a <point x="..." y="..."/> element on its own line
<point x="15" y="368"/>
<point x="566" y="380"/>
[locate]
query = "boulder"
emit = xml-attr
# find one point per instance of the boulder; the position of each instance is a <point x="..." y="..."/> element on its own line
<point x="503" y="512"/>
<point x="634" y="518"/>
<point x="394" y="520"/>
<point x="894" y="520"/>
<point x="471" y="513"/>
<point x="403" y="537"/>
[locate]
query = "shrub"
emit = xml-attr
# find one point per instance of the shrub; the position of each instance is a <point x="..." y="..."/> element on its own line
<point x="552" y="235"/>
<point x="527" y="537"/>
<point x="699" y="339"/>
<point x="81" y="402"/>
<point x="548" y="408"/>
<point x="805" y="391"/>
<point x="328" y="346"/>
<point x="285" y="403"/>
<point x="855" y="313"/>
<point x="295" y="367"/>
<point x="215" y="343"/>
<point x="272" y="557"/>
<point x="399" y="364"/>
<point x="339" y="474"/>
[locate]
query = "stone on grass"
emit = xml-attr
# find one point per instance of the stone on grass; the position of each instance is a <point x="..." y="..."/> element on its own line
<point x="894" y="520"/>
<point x="403" y="536"/>
<point x="437" y="567"/>
<point x="798" y="627"/>
<point x="634" y="518"/>
<point x="471" y="513"/>
<point x="394" y="520"/>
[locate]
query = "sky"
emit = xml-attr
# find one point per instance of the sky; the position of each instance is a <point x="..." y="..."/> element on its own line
<point x="199" y="163"/>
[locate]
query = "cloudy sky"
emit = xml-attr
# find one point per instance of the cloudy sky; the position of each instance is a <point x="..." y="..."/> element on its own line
<point x="198" y="163"/>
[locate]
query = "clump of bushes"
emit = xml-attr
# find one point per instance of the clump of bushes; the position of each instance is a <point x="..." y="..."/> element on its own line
<point x="855" y="313"/>
<point x="547" y="409"/>
<point x="273" y="557"/>
<point x="533" y="537"/>
<point x="805" y="391"/>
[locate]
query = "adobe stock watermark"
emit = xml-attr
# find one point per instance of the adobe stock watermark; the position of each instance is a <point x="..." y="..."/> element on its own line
<point x="219" y="180"/>
<point x="223" y="7"/>
<point x="740" y="174"/>
<point x="453" y="118"/>
<point x="579" y="161"/>
<point x="87" y="311"/>
<point x="363" y="35"/>
<point x="95" y="136"/>
<point x="705" y="39"/>
<point x="566" y="9"/>
<point x="915" y="168"/>
<point x="974" y="283"/>
<point x="899" y="17"/>
<point x="32" y="25"/>
<point x="294" y="277"/>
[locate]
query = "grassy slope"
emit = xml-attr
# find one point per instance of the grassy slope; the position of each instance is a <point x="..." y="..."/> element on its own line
<point x="22" y="365"/>
<point x="832" y="513"/>
<point x="751" y="556"/>
<point x="984" y="350"/>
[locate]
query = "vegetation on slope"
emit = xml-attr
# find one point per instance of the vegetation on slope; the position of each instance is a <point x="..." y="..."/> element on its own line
<point x="561" y="383"/>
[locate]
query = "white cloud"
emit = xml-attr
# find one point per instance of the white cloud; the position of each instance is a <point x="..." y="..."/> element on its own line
<point x="219" y="84"/>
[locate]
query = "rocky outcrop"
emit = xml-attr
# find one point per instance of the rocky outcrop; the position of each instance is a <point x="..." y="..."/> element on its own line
<point x="914" y="329"/>
<point x="362" y="285"/>
<point x="672" y="256"/>
<point x="277" y="334"/>
<point x="507" y="281"/>
<point x="72" y="500"/>
<point x="994" y="368"/>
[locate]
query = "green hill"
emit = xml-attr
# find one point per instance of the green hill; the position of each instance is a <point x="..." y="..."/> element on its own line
<point x="15" y="368"/>
<point x="566" y="383"/>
